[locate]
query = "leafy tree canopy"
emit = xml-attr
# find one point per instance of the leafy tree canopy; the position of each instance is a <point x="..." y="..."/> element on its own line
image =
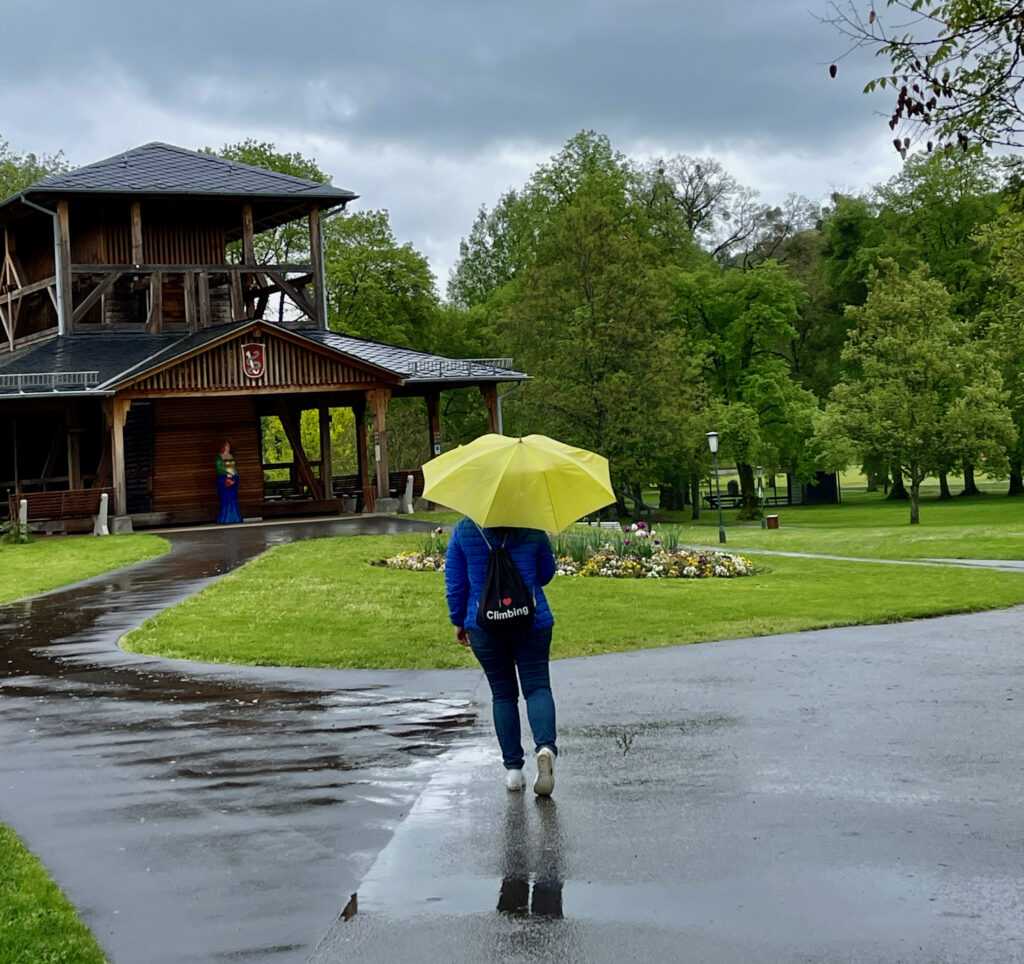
<point x="919" y="393"/>
<point x="18" y="171"/>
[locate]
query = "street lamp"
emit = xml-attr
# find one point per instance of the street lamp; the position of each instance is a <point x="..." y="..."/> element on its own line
<point x="760" y="495"/>
<point x="713" y="445"/>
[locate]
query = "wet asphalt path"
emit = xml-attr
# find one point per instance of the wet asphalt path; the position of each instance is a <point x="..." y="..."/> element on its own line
<point x="203" y="813"/>
<point x="849" y="795"/>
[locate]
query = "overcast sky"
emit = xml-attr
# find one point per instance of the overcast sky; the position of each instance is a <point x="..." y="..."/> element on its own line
<point x="430" y="109"/>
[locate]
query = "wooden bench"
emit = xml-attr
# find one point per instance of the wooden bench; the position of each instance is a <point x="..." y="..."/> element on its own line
<point x="55" y="509"/>
<point x="397" y="482"/>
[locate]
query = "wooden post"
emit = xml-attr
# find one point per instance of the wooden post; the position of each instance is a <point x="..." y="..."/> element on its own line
<point x="316" y="257"/>
<point x="189" y="282"/>
<point x="248" y="255"/>
<point x="118" y="415"/>
<point x="326" y="462"/>
<point x="248" y="245"/>
<point x="291" y="422"/>
<point x="237" y="305"/>
<point x="65" y="308"/>
<point x="490" y="394"/>
<point x="362" y="467"/>
<point x="433" y="400"/>
<point x="74" y="451"/>
<point x="155" y="322"/>
<point x="137" y="232"/>
<point x="378" y="399"/>
<point x="205" y="312"/>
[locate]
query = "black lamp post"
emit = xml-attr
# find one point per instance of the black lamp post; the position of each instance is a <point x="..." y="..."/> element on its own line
<point x="713" y="445"/>
<point x="760" y="495"/>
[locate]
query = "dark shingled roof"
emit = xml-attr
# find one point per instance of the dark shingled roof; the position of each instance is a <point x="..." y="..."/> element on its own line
<point x="107" y="354"/>
<point x="165" y="169"/>
<point x="115" y="357"/>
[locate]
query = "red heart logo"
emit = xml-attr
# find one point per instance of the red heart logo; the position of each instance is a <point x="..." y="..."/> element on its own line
<point x="507" y="601"/>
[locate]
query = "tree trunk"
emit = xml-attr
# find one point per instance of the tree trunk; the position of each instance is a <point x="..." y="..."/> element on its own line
<point x="898" y="492"/>
<point x="1016" y="478"/>
<point x="970" y="487"/>
<point x="749" y="509"/>
<point x="915" y="501"/>
<point x="695" y="497"/>
<point x="944" y="492"/>
<point x="672" y="495"/>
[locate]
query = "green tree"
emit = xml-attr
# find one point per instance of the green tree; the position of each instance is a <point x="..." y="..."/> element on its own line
<point x="376" y="287"/>
<point x="740" y="323"/>
<point x="1003" y="319"/>
<point x="18" y="171"/>
<point x="920" y="392"/>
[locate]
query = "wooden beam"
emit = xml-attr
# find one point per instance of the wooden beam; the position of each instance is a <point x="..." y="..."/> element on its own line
<point x="490" y="394"/>
<point x="90" y="299"/>
<point x="237" y="301"/>
<point x="292" y="429"/>
<point x="205" y="313"/>
<point x="221" y="268"/>
<point x="326" y="461"/>
<point x="433" y="400"/>
<point x="248" y="245"/>
<point x="31" y="289"/>
<point x="56" y="444"/>
<point x="118" y="415"/>
<point x="378" y="399"/>
<point x="300" y="298"/>
<point x="362" y="466"/>
<point x="155" y="321"/>
<point x="190" y="301"/>
<point x="74" y="448"/>
<point x="65" y="308"/>
<point x="316" y="256"/>
<point x="136" y="215"/>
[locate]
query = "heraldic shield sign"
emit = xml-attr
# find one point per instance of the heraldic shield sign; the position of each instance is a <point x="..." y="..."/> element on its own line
<point x="254" y="361"/>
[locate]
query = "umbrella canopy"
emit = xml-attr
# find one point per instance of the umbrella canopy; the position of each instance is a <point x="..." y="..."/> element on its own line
<point x="534" y="482"/>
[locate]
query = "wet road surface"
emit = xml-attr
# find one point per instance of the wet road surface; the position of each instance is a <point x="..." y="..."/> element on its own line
<point x="846" y="795"/>
<point x="203" y="813"/>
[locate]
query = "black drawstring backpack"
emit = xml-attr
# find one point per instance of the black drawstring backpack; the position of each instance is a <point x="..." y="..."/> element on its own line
<point x="507" y="607"/>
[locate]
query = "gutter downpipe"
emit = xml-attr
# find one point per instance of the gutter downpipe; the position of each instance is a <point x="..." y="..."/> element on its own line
<point x="514" y="388"/>
<point x="61" y="327"/>
<point x="323" y="264"/>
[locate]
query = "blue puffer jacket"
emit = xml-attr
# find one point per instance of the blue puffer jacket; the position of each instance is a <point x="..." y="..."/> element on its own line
<point x="466" y="566"/>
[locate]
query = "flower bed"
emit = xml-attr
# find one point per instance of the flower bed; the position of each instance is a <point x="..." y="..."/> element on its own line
<point x="635" y="553"/>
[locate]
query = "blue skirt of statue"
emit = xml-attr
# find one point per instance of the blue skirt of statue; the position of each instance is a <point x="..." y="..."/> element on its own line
<point x="228" y="500"/>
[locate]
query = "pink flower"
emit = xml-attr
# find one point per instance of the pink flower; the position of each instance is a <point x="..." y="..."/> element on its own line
<point x="625" y="542"/>
<point x="640" y="525"/>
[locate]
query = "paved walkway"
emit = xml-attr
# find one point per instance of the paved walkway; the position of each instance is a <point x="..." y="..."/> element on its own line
<point x="842" y="795"/>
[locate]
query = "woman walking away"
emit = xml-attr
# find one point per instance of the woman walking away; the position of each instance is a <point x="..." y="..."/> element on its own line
<point x="524" y="651"/>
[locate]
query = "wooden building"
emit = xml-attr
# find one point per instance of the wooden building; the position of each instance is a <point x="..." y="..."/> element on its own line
<point x="133" y="343"/>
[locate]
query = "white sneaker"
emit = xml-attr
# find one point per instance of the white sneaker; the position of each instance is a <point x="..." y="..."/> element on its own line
<point x="545" y="781"/>
<point x="515" y="780"/>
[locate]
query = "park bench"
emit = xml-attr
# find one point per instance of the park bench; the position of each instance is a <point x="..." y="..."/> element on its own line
<point x="53" y="511"/>
<point x="397" y="482"/>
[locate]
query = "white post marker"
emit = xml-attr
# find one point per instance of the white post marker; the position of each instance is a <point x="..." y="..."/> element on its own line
<point x="99" y="527"/>
<point x="406" y="504"/>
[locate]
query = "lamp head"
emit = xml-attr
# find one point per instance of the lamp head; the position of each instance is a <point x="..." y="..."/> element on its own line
<point x="713" y="442"/>
<point x="760" y="471"/>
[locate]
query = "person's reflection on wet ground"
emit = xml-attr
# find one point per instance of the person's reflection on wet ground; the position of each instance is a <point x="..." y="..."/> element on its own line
<point x="532" y="881"/>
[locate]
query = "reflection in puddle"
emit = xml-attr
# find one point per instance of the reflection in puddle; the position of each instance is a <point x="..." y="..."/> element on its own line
<point x="532" y="881"/>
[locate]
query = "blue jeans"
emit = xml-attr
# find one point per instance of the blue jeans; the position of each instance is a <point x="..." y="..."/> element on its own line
<point x="500" y="659"/>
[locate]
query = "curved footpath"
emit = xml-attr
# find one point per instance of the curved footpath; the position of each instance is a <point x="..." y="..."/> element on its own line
<point x="839" y="795"/>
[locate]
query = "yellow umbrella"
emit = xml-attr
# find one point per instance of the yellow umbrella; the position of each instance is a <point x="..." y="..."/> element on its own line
<point x="533" y="482"/>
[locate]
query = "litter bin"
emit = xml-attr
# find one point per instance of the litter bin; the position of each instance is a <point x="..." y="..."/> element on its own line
<point x="773" y="521"/>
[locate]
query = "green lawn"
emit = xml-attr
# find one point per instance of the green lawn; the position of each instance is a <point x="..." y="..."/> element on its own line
<point x="321" y="603"/>
<point x="977" y="527"/>
<point x="37" y="923"/>
<point x="50" y="563"/>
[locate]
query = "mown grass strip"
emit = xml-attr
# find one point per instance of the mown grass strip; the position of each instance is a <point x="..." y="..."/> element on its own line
<point x="38" y="925"/>
<point x="45" y="564"/>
